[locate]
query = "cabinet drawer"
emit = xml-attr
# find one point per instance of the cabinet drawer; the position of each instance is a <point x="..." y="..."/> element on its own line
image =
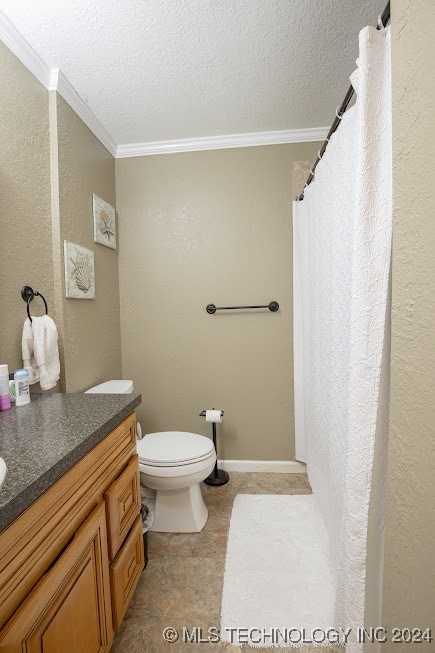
<point x="125" y="572"/>
<point x="69" y="609"/>
<point x="122" y="505"/>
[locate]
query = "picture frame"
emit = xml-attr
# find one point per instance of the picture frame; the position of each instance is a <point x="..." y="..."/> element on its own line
<point x="79" y="271"/>
<point x="104" y="222"/>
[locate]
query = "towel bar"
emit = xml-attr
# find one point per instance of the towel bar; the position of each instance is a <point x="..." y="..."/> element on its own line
<point x="211" y="308"/>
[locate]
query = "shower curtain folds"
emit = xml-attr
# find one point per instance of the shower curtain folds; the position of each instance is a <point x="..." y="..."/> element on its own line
<point x="342" y="250"/>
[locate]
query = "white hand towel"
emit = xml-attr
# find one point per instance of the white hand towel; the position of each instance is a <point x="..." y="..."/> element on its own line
<point x="46" y="351"/>
<point x="29" y="362"/>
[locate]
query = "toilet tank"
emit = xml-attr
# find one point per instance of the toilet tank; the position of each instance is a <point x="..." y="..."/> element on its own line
<point x="115" y="387"/>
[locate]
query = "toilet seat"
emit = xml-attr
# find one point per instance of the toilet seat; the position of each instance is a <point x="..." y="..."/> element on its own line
<point x="173" y="449"/>
<point x="144" y="461"/>
<point x="178" y="471"/>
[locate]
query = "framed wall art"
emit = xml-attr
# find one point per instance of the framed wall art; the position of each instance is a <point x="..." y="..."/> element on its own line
<point x="104" y="222"/>
<point x="79" y="271"/>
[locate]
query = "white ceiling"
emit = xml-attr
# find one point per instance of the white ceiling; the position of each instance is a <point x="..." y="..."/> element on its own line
<point x="154" y="70"/>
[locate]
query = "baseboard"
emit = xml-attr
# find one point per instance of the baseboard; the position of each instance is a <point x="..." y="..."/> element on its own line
<point x="274" y="466"/>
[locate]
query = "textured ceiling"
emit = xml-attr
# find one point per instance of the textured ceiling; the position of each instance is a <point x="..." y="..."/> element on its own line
<point x="166" y="69"/>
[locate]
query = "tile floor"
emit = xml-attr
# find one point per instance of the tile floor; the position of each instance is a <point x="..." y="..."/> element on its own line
<point x="182" y="584"/>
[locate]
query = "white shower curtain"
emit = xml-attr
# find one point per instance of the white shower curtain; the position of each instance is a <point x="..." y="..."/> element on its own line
<point x="342" y="249"/>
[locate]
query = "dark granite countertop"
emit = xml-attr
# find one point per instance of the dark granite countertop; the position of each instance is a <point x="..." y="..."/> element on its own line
<point x="42" y="441"/>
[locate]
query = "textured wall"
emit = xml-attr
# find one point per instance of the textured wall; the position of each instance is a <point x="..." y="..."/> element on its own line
<point x="25" y="224"/>
<point x="409" y="575"/>
<point x="50" y="164"/>
<point x="210" y="227"/>
<point x="92" y="345"/>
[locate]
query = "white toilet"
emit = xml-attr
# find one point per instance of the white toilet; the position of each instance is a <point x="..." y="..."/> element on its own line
<point x="173" y="463"/>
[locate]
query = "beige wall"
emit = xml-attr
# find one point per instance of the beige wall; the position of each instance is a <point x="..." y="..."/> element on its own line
<point x="25" y="226"/>
<point x="91" y="328"/>
<point x="409" y="573"/>
<point x="210" y="227"/>
<point x="50" y="164"/>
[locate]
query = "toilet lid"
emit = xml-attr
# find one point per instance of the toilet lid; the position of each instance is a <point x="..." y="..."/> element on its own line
<point x="173" y="447"/>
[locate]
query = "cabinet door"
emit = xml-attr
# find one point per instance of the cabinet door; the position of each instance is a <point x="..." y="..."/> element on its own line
<point x="125" y="572"/>
<point x="122" y="505"/>
<point x="69" y="609"/>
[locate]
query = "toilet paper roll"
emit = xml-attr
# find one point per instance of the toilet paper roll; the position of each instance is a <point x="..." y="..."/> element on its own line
<point x="213" y="416"/>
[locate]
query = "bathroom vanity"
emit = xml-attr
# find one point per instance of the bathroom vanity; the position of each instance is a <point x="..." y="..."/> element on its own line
<point x="71" y="548"/>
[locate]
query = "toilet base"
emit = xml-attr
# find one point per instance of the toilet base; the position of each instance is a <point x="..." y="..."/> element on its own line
<point x="180" y="511"/>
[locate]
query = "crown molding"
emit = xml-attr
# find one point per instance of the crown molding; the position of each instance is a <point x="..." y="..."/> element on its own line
<point x="52" y="80"/>
<point x="59" y="83"/>
<point x="17" y="44"/>
<point x="222" y="142"/>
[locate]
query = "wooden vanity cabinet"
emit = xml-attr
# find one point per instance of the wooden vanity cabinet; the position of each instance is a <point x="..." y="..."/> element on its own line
<point x="60" y="589"/>
<point x="69" y="610"/>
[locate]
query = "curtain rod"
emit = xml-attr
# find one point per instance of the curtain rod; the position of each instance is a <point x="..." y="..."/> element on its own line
<point x="383" y="21"/>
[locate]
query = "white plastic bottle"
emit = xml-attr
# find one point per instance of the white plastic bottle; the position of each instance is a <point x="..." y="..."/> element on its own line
<point x="5" y="398"/>
<point x="22" y="394"/>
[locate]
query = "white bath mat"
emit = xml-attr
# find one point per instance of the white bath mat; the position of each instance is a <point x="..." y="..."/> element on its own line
<point x="277" y="573"/>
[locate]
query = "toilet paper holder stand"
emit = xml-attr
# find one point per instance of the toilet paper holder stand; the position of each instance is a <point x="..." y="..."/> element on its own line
<point x="218" y="476"/>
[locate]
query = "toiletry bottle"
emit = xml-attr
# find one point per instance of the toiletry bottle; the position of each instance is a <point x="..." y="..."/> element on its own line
<point x="12" y="390"/>
<point x="22" y="394"/>
<point x="5" y="398"/>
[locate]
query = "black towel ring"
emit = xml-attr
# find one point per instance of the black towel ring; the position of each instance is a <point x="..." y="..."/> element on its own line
<point x="27" y="293"/>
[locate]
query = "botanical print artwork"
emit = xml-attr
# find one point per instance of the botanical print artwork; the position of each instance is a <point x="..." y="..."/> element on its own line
<point x="79" y="272"/>
<point x="104" y="223"/>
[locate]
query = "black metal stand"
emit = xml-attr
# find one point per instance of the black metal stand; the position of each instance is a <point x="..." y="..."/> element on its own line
<point x="218" y="476"/>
